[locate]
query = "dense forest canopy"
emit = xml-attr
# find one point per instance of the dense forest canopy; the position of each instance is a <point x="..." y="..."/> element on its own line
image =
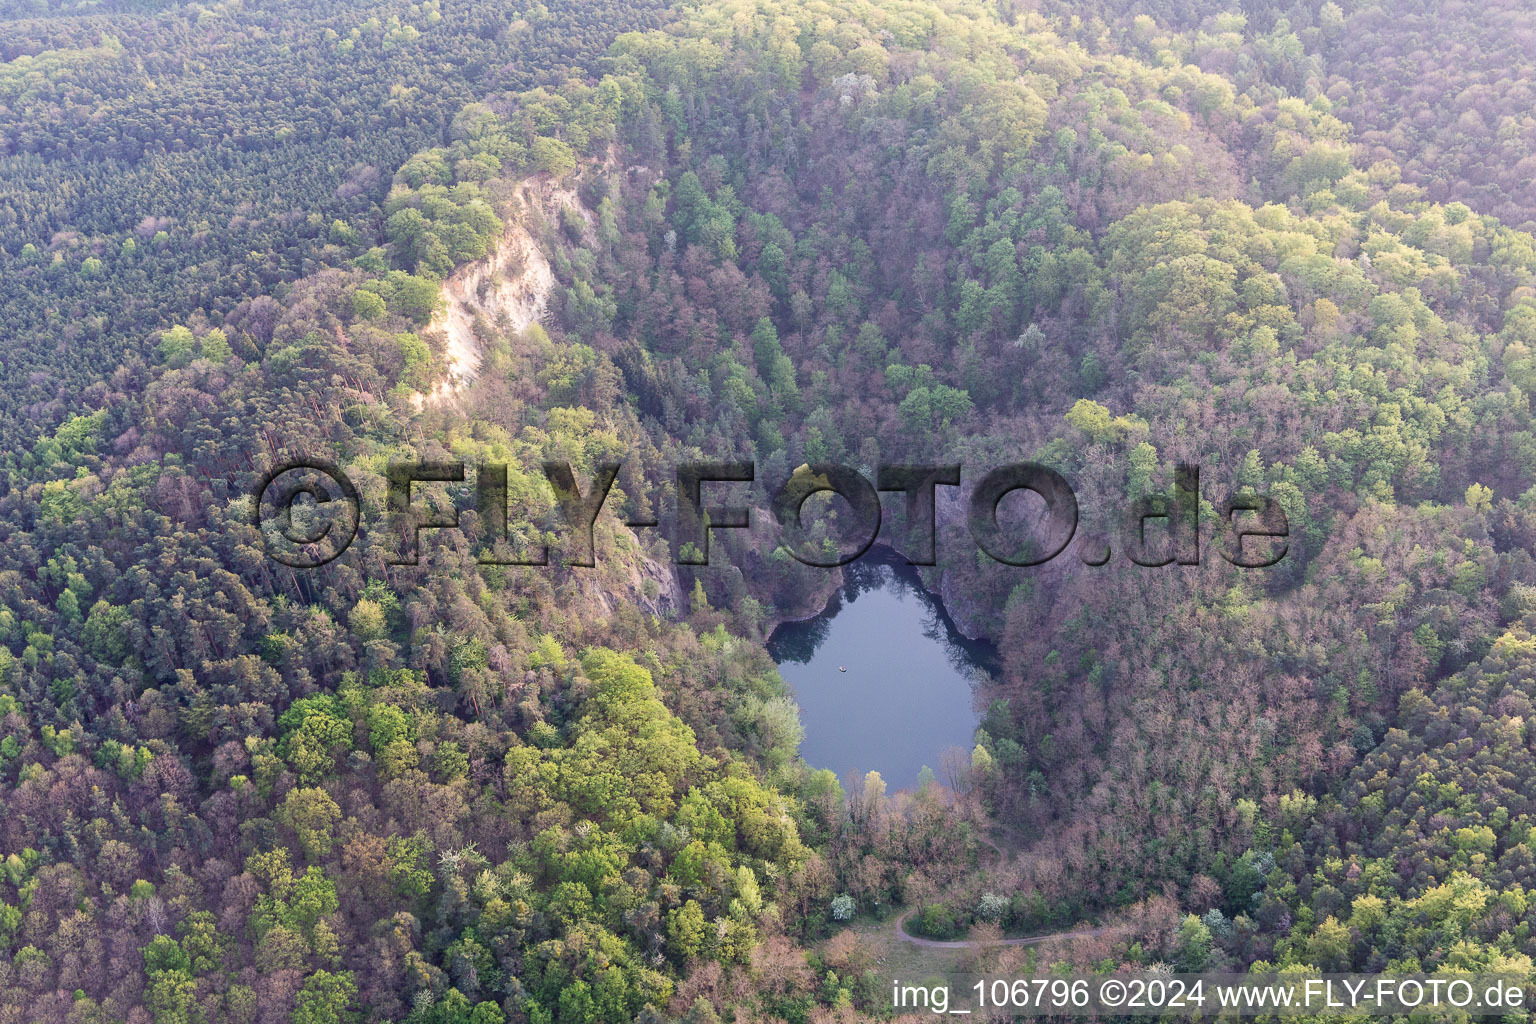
<point x="181" y="159"/>
<point x="1109" y="238"/>
<point x="1441" y="91"/>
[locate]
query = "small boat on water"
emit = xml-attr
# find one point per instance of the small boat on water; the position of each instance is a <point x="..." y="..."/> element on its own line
<point x="841" y="669"/>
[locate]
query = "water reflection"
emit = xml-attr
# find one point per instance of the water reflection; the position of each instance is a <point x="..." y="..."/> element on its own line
<point x="883" y="678"/>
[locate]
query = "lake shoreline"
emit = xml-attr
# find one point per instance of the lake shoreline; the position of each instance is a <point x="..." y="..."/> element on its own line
<point x="890" y="555"/>
<point x="883" y="678"/>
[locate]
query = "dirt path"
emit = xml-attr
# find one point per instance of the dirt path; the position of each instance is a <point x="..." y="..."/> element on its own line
<point x="1024" y="940"/>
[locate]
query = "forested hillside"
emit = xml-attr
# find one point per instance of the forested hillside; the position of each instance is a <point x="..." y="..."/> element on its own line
<point x="1441" y="93"/>
<point x="202" y="157"/>
<point x="1108" y="239"/>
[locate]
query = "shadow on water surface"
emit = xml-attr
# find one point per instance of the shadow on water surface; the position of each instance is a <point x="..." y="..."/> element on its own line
<point x="883" y="678"/>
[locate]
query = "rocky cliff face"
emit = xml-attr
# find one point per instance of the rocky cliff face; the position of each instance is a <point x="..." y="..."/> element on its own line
<point x="511" y="287"/>
<point x="513" y="281"/>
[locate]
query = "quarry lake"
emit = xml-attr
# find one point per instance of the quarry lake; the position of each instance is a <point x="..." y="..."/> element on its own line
<point x="884" y="680"/>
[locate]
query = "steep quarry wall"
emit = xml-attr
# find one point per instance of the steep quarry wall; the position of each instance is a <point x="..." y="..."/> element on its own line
<point x="513" y="281"/>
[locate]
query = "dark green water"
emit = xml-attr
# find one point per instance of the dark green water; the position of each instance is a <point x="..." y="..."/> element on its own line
<point x="909" y="689"/>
